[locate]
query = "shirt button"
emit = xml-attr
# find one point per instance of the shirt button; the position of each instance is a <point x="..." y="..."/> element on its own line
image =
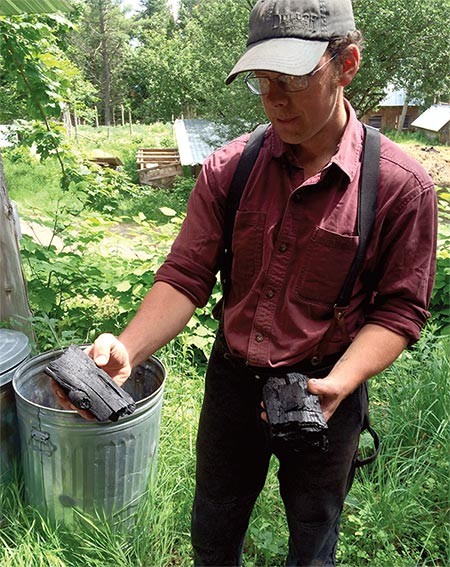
<point x="283" y="247"/>
<point x="259" y="338"/>
<point x="270" y="293"/>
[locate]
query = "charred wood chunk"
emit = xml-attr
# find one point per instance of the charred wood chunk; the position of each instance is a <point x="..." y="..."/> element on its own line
<point x="294" y="414"/>
<point x="89" y="387"/>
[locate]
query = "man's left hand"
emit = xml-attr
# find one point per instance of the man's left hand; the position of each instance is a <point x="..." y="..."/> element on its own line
<point x="330" y="394"/>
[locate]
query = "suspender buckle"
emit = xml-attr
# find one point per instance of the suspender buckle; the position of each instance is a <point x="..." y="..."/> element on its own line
<point x="340" y="311"/>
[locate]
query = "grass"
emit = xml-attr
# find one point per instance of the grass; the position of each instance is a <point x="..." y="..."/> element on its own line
<point x="399" y="506"/>
<point x="395" y="515"/>
<point x="410" y="137"/>
<point x="33" y="185"/>
<point x="120" y="138"/>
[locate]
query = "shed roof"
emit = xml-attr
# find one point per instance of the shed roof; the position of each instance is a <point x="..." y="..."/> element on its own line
<point x="434" y="118"/>
<point x="396" y="97"/>
<point x="196" y="139"/>
<point x="14" y="7"/>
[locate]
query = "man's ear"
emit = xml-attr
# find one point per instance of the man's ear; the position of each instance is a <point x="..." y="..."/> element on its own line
<point x="350" y="59"/>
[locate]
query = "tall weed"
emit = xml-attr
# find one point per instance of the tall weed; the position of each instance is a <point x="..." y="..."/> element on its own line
<point x="396" y="513"/>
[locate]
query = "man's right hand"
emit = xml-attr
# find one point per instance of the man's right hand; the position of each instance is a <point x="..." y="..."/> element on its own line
<point x="111" y="355"/>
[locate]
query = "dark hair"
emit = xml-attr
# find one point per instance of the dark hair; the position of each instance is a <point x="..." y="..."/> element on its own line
<point x="338" y="46"/>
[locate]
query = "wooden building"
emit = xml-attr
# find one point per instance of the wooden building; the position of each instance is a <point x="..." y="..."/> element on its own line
<point x="435" y="123"/>
<point x="387" y="116"/>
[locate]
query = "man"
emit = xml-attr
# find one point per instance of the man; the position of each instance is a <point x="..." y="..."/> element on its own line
<point x="294" y="241"/>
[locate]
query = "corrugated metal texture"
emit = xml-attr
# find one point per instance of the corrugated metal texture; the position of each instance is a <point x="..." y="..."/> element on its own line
<point x="397" y="97"/>
<point x="433" y="119"/>
<point x="14" y="7"/>
<point x="196" y="139"/>
<point x="394" y="98"/>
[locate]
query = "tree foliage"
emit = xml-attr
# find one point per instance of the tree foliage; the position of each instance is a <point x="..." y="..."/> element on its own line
<point x="160" y="68"/>
<point x="100" y="46"/>
<point x="156" y="78"/>
<point x="216" y="35"/>
<point x="407" y="45"/>
<point x="36" y="71"/>
<point x="182" y="69"/>
<point x="151" y="8"/>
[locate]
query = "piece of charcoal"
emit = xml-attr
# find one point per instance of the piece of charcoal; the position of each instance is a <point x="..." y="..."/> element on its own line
<point x="89" y="387"/>
<point x="294" y="414"/>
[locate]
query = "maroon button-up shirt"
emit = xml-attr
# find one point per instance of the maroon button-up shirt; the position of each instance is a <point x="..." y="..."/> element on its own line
<point x="294" y="242"/>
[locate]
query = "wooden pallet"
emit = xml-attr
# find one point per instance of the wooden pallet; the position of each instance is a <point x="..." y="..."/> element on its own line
<point x="158" y="166"/>
<point x="147" y="157"/>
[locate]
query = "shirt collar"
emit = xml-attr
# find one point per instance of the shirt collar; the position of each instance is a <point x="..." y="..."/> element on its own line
<point x="348" y="154"/>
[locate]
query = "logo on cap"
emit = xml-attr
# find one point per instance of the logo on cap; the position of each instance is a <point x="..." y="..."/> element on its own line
<point x="307" y="21"/>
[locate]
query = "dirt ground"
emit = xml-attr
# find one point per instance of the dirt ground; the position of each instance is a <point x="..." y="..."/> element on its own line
<point x="436" y="160"/>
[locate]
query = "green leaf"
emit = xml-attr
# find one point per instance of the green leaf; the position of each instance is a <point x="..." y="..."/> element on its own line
<point x="202" y="331"/>
<point x="167" y="212"/>
<point x="140" y="217"/>
<point x="137" y="289"/>
<point x="123" y="286"/>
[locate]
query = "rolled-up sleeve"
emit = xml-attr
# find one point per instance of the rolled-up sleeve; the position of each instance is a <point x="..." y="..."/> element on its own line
<point x="193" y="262"/>
<point x="407" y="262"/>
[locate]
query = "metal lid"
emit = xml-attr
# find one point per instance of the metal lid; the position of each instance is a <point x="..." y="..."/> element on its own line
<point x="14" y="348"/>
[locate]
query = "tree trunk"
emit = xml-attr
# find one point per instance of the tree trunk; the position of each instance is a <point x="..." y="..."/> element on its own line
<point x="401" y="120"/>
<point x="106" y="68"/>
<point x="67" y="121"/>
<point x="14" y="306"/>
<point x="75" y="122"/>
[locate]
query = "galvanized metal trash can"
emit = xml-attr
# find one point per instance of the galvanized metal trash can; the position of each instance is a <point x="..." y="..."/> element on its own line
<point x="14" y="349"/>
<point x="72" y="465"/>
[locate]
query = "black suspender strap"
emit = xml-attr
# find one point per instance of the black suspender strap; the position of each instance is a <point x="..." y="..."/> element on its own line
<point x="367" y="208"/>
<point x="238" y="183"/>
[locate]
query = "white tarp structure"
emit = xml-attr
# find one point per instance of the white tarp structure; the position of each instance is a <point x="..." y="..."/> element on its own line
<point x="14" y="307"/>
<point x="397" y="97"/>
<point x="434" y="118"/>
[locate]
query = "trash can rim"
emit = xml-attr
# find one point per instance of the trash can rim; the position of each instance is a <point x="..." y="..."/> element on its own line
<point x="14" y="349"/>
<point x="57" y="411"/>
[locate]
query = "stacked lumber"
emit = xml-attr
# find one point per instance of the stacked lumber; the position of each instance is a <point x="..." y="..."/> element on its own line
<point x="158" y="166"/>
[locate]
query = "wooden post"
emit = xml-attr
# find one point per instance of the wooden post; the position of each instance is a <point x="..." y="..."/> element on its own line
<point x="130" y="122"/>
<point x="96" y="116"/>
<point x="14" y="306"/>
<point x="67" y="121"/>
<point x="122" y="113"/>
<point x="75" y="121"/>
<point x="401" y="121"/>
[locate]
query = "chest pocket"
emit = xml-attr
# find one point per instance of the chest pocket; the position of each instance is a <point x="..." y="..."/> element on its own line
<point x="328" y="258"/>
<point x="248" y="238"/>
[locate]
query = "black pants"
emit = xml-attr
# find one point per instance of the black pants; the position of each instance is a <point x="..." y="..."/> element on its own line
<point x="233" y="454"/>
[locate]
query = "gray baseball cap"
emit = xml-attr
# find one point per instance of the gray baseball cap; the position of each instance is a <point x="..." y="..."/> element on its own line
<point x="290" y="36"/>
